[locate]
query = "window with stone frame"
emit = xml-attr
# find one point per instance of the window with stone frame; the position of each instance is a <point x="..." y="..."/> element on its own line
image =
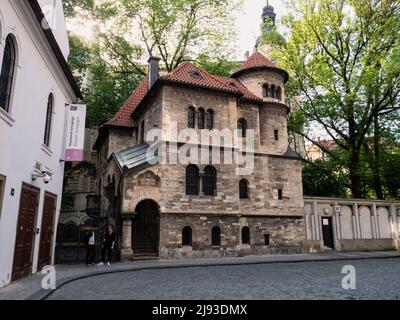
<point x="216" y="236"/>
<point x="279" y="93"/>
<point x="280" y="194"/>
<point x="209" y="181"/>
<point x="265" y="90"/>
<point x="187" y="236"/>
<point x="49" y="117"/>
<point x="192" y="180"/>
<point x="276" y="135"/>
<point x="242" y="127"/>
<point x="273" y="91"/>
<point x="201" y="118"/>
<point x="243" y="189"/>
<point x="191" y="117"/>
<point x="7" y="73"/>
<point x="141" y="139"/>
<point x="245" y="235"/>
<point x="210" y="119"/>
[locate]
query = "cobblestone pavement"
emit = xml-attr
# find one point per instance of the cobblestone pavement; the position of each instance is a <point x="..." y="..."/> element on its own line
<point x="375" y="279"/>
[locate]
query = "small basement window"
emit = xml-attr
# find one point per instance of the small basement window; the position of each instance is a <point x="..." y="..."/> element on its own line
<point x="266" y="239"/>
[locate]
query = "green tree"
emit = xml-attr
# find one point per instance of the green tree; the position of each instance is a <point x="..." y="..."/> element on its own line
<point x="128" y="32"/>
<point x="343" y="58"/>
<point x="321" y="179"/>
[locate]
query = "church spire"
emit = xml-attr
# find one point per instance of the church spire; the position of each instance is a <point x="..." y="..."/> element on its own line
<point x="269" y="15"/>
<point x="268" y="18"/>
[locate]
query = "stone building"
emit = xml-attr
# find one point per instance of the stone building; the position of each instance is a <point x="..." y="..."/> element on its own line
<point x="203" y="209"/>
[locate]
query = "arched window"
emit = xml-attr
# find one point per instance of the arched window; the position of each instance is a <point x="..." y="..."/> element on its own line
<point x="279" y="93"/>
<point x="245" y="235"/>
<point x="191" y="117"/>
<point x="216" y="237"/>
<point x="49" y="117"/>
<point x="7" y="73"/>
<point x="273" y="92"/>
<point x="192" y="180"/>
<point x="187" y="236"/>
<point x="242" y="128"/>
<point x="141" y="141"/>
<point x="201" y="119"/>
<point x="210" y="119"/>
<point x="243" y="189"/>
<point x="265" y="90"/>
<point x="209" y="181"/>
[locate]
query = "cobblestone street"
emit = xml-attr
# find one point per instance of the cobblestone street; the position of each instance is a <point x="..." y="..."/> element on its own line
<point x="375" y="279"/>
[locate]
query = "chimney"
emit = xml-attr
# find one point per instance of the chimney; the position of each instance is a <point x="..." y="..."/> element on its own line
<point x="246" y="55"/>
<point x="154" y="67"/>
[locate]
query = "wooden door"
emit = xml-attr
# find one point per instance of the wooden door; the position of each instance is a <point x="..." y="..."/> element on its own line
<point x="25" y="233"/>
<point x="47" y="230"/>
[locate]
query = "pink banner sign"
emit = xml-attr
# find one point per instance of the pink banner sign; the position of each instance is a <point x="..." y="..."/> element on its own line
<point x="75" y="133"/>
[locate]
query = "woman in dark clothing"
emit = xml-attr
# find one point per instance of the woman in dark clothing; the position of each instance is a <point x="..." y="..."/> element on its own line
<point x="108" y="246"/>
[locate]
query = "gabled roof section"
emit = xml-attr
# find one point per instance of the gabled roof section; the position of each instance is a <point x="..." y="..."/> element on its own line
<point x="123" y="116"/>
<point x="258" y="61"/>
<point x="189" y="74"/>
<point x="247" y="94"/>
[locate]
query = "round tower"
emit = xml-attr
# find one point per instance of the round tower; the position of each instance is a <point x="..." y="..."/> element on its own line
<point x="265" y="80"/>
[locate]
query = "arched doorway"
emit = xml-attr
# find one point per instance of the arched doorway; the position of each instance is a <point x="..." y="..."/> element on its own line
<point x="146" y="229"/>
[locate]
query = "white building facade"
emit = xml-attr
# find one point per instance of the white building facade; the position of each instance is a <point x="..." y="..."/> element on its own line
<point x="36" y="86"/>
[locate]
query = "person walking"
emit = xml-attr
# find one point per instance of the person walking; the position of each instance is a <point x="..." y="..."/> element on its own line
<point x="108" y="246"/>
<point x="90" y="238"/>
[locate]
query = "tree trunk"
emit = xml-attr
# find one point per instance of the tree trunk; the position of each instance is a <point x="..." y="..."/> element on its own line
<point x="377" y="161"/>
<point x="355" y="176"/>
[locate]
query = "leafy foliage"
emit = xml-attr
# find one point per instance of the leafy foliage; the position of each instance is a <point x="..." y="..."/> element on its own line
<point x="343" y="58"/>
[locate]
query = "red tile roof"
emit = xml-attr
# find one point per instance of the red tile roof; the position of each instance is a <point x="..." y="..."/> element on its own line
<point x="256" y="60"/>
<point x="247" y="94"/>
<point x="123" y="116"/>
<point x="189" y="74"/>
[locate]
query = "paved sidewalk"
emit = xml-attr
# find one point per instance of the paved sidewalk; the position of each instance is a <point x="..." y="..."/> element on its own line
<point x="30" y="287"/>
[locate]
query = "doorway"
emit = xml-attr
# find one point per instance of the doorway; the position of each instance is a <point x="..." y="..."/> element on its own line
<point x="327" y="232"/>
<point x="47" y="230"/>
<point x="25" y="233"/>
<point x="146" y="235"/>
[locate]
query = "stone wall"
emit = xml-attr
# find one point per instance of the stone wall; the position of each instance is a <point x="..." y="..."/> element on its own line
<point x="356" y="224"/>
<point x="286" y="235"/>
<point x="269" y="175"/>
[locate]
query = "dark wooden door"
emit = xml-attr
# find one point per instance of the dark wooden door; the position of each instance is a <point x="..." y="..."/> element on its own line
<point x="25" y="234"/>
<point x="327" y="232"/>
<point x="47" y="230"/>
